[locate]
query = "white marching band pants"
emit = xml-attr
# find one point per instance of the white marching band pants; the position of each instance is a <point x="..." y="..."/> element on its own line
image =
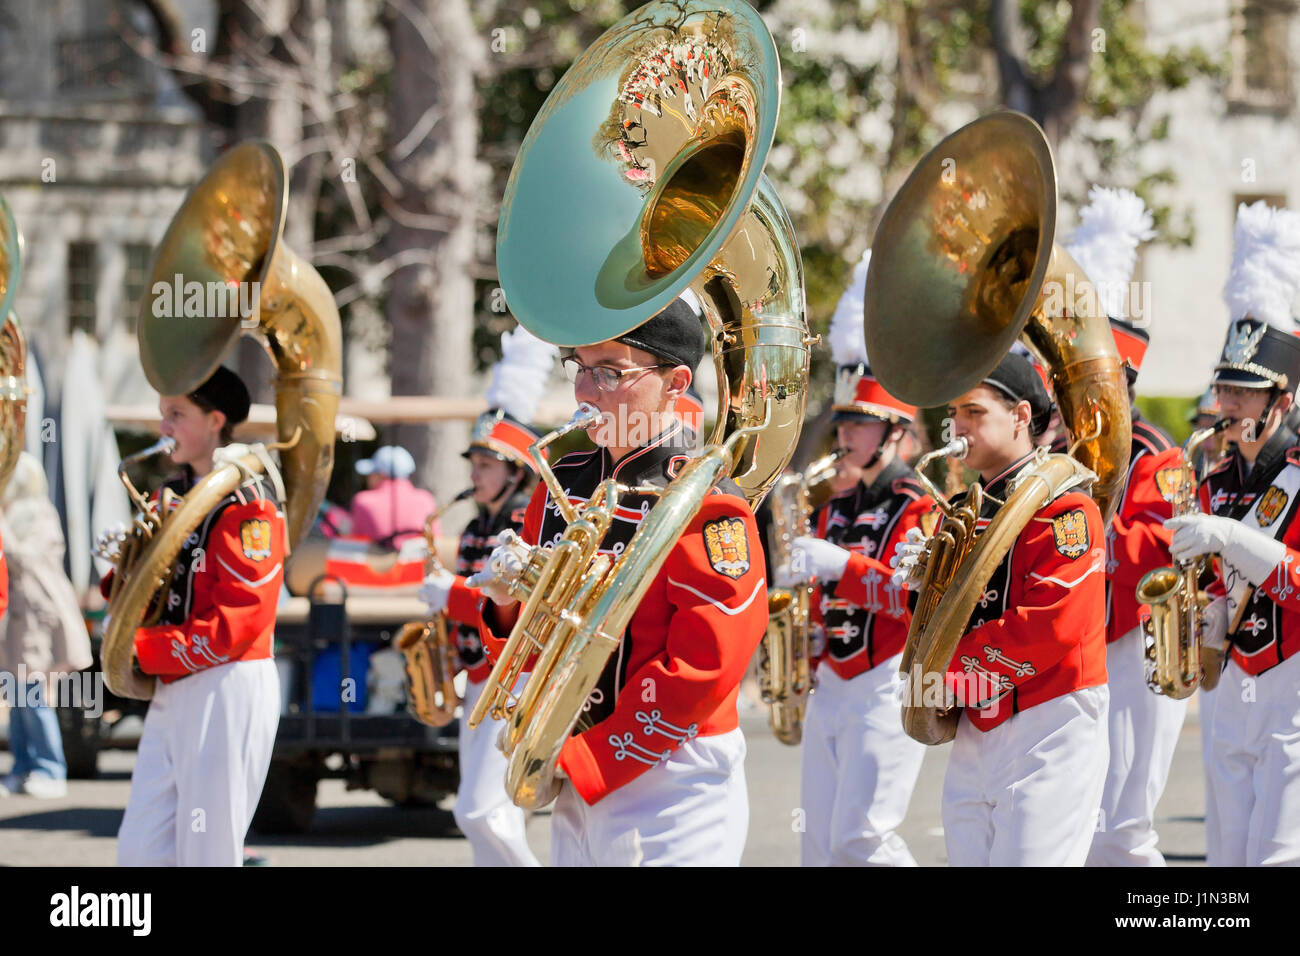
<point x="859" y="770"/>
<point x="1254" y="768"/>
<point x="1144" y="728"/>
<point x="494" y="826"/>
<point x="200" y="766"/>
<point x="692" y="810"/>
<point x="1026" y="793"/>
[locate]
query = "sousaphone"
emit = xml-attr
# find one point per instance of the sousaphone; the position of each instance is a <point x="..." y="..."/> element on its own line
<point x="641" y="178"/>
<point x="227" y="235"/>
<point x="964" y="263"/>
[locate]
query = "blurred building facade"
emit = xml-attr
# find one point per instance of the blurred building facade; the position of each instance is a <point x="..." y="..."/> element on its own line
<point x="97" y="148"/>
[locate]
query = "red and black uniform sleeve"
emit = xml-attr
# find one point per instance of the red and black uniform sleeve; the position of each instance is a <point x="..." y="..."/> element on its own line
<point x="1138" y="542"/>
<point x="464" y="603"/>
<point x="1268" y="626"/>
<point x="866" y="583"/>
<point x="236" y="584"/>
<point x="1049" y="639"/>
<point x="495" y="622"/>
<point x="689" y="642"/>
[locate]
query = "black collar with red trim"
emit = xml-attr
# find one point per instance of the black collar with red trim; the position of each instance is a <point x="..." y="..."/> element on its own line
<point x="653" y="462"/>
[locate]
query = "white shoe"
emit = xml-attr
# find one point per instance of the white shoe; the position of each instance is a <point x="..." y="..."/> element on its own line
<point x="45" y="788"/>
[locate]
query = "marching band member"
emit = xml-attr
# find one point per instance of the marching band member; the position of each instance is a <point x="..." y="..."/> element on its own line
<point x="208" y="736"/>
<point x="859" y="765"/>
<point x="655" y="769"/>
<point x="1143" y="725"/>
<point x="1025" y="778"/>
<point x="1249" y="500"/>
<point x="502" y="473"/>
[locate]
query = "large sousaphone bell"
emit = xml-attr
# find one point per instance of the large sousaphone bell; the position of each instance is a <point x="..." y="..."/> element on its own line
<point x="641" y="178"/>
<point x="13" y="349"/>
<point x="964" y="263"/>
<point x="227" y="236"/>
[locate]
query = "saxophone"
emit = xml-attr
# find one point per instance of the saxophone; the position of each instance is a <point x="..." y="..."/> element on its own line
<point x="1176" y="662"/>
<point x="427" y="647"/>
<point x="785" y="671"/>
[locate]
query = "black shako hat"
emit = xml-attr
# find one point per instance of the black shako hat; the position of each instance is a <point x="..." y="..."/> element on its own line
<point x="1016" y="379"/>
<point x="1257" y="355"/>
<point x="675" y="335"/>
<point x="225" y="391"/>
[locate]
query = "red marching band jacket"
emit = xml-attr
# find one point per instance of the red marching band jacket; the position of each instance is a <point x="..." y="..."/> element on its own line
<point x="1265" y="500"/>
<point x="1136" y="541"/>
<point x="221" y="600"/>
<point x="1037" y="632"/>
<point x="677" y="670"/>
<point x="865" y="617"/>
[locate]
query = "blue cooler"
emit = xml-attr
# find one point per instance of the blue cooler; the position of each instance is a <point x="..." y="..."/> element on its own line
<point x="327" y="678"/>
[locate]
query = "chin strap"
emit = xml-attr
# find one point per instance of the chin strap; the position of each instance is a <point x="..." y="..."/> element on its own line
<point x="508" y="489"/>
<point x="1262" y="423"/>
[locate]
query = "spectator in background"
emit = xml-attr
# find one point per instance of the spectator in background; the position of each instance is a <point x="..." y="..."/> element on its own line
<point x="391" y="509"/>
<point x="44" y="634"/>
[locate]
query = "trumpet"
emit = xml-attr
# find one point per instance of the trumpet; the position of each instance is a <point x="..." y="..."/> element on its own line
<point x="427" y="649"/>
<point x="1176" y="662"/>
<point x="786" y="677"/>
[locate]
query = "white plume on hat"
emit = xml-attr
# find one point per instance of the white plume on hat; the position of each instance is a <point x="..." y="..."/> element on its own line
<point x="847" y="338"/>
<point x="1265" y="270"/>
<point x="519" y="379"/>
<point x="1106" y="240"/>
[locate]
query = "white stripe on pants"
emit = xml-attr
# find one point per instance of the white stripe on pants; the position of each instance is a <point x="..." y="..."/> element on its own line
<point x="692" y="810"/>
<point x="859" y="768"/>
<point x="1026" y="793"/>
<point x="1144" y="728"/>
<point x="484" y="812"/>
<point x="1254" y="768"/>
<point x="200" y="766"/>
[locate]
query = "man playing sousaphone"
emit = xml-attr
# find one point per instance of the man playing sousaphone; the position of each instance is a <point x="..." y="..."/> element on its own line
<point x="1025" y="778"/>
<point x="655" y="768"/>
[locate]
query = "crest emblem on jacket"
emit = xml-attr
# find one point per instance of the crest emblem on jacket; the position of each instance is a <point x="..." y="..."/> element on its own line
<point x="727" y="546"/>
<point x="1071" y="533"/>
<point x="1271" y="505"/>
<point x="255" y="538"/>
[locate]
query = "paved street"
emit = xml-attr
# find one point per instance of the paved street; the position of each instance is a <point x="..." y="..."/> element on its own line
<point x="361" y="829"/>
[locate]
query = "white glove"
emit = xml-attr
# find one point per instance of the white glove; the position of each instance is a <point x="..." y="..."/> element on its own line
<point x="502" y="568"/>
<point x="812" y="558"/>
<point x="908" y="572"/>
<point x="436" y="589"/>
<point x="108" y="543"/>
<point x="1216" y="624"/>
<point x="225" y="454"/>
<point x="1251" y="552"/>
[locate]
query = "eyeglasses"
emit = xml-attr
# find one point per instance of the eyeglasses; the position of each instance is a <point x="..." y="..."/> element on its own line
<point x="1237" y="393"/>
<point x="604" y="377"/>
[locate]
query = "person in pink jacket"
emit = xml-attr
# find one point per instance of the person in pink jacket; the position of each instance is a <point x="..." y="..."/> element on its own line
<point x="391" y="509"/>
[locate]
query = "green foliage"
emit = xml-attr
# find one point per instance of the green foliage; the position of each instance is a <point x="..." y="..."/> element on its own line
<point x="1170" y="413"/>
